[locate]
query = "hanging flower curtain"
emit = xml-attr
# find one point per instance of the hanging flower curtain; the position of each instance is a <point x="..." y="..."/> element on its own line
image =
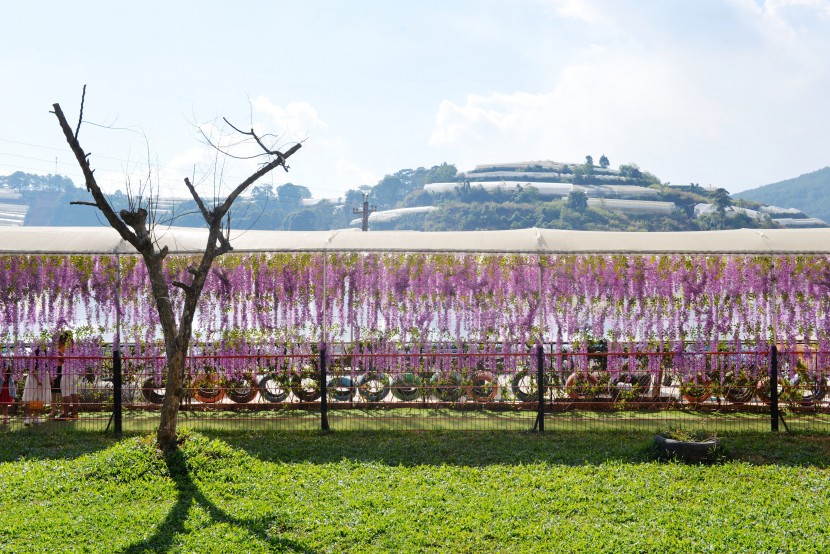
<point x="266" y="303"/>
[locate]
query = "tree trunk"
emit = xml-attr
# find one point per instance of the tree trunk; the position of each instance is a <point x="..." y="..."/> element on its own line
<point x="166" y="434"/>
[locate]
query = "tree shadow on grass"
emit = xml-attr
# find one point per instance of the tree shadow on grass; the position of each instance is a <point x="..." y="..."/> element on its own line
<point x="188" y="496"/>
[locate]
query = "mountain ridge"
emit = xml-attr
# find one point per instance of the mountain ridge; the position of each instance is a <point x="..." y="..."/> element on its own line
<point x="809" y="193"/>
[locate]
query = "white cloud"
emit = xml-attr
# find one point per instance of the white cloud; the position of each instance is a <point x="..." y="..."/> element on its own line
<point x="606" y="102"/>
<point x="295" y="121"/>
<point x="726" y="110"/>
<point x="786" y="22"/>
<point x="351" y="176"/>
<point x="581" y="10"/>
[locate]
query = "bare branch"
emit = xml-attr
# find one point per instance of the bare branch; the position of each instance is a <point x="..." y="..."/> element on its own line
<point x="181" y="285"/>
<point x="82" y="203"/>
<point x="252" y="134"/>
<point x="91" y="183"/>
<point x="81" y="114"/>
<point x="225" y="152"/>
<point x="198" y="200"/>
<point x="278" y="161"/>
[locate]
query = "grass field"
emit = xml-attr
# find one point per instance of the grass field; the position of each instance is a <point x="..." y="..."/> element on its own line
<point x="410" y="492"/>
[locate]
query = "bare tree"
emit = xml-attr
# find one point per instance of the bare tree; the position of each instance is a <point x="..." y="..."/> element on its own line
<point x="134" y="226"/>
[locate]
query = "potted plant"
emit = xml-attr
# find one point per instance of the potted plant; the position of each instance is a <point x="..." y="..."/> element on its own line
<point x="689" y="447"/>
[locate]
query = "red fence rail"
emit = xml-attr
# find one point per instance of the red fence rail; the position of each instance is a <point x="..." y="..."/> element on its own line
<point x="736" y="382"/>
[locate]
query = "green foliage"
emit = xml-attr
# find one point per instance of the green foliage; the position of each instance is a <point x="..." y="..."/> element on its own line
<point x="721" y="200"/>
<point x="686" y="435"/>
<point x="630" y="171"/>
<point x="577" y="201"/>
<point x="29" y="182"/>
<point x="292" y="195"/>
<point x="391" y="191"/>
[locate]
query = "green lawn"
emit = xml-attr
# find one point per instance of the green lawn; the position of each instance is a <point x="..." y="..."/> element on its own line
<point x="427" y="419"/>
<point x="508" y="491"/>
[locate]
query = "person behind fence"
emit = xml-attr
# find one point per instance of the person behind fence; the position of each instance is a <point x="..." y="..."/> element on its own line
<point x="8" y="392"/>
<point x="70" y="398"/>
<point x="36" y="391"/>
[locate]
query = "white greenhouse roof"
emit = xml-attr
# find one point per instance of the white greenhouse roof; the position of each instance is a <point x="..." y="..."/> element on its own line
<point x="392" y="215"/>
<point x="103" y="240"/>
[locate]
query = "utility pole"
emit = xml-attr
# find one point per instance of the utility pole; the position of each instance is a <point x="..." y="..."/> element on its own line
<point x="365" y="211"/>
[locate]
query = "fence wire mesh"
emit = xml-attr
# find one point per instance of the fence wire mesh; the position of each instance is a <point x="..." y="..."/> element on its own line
<point x="441" y="388"/>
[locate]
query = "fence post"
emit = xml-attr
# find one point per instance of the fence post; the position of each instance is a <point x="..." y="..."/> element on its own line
<point x="540" y="386"/>
<point x="773" y="387"/>
<point x="116" y="391"/>
<point x="324" y="406"/>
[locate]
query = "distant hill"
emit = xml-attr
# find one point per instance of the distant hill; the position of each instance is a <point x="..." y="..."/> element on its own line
<point x="492" y="196"/>
<point x="809" y="193"/>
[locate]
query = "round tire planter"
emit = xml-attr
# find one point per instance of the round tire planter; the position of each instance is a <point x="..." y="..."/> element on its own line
<point x="447" y="387"/>
<point x="341" y="389"/>
<point x="740" y="389"/>
<point x="153" y="392"/>
<point x="406" y="387"/>
<point x="696" y="391"/>
<point x="629" y="385"/>
<point x="690" y="452"/>
<point x="764" y="390"/>
<point x="809" y="391"/>
<point x="207" y="390"/>
<point x="484" y="387"/>
<point x="306" y="387"/>
<point x="274" y="388"/>
<point x="582" y="386"/>
<point x="241" y="390"/>
<point x="523" y="386"/>
<point x="373" y="387"/>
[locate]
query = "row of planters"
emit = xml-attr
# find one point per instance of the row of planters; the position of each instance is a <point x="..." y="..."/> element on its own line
<point x="722" y="383"/>
<point x="366" y="386"/>
<point x="695" y="377"/>
<point x="474" y="373"/>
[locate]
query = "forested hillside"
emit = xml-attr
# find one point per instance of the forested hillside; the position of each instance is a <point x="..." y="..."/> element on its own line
<point x="809" y="193"/>
<point x="463" y="204"/>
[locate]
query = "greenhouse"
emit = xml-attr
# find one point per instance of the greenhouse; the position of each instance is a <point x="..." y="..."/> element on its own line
<point x="460" y="322"/>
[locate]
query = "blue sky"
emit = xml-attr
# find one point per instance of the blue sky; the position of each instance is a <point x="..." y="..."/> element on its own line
<point x="730" y="93"/>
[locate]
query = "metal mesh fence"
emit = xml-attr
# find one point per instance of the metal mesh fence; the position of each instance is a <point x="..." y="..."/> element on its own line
<point x="448" y="387"/>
